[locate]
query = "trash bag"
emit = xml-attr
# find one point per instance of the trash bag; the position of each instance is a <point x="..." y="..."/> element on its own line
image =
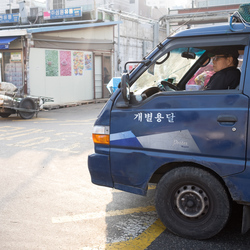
<point x="8" y="87"/>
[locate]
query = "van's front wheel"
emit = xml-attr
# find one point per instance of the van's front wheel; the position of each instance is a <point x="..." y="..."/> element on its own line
<point x="192" y="203"/>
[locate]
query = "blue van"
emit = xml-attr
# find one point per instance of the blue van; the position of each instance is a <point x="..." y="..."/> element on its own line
<point x="165" y="125"/>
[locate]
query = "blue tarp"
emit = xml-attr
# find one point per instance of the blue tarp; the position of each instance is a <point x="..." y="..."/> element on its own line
<point x="5" y="41"/>
<point x="113" y="84"/>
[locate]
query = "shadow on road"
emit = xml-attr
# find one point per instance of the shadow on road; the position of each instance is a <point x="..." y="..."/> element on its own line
<point x="126" y="227"/>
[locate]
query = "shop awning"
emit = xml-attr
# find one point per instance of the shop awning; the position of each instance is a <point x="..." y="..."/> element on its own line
<point x="5" y="41"/>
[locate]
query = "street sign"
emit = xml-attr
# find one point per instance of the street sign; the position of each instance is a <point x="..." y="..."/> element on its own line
<point x="63" y="13"/>
<point x="9" y="18"/>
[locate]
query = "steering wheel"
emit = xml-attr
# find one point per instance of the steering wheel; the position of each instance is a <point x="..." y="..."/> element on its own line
<point x="148" y="92"/>
<point x="167" y="85"/>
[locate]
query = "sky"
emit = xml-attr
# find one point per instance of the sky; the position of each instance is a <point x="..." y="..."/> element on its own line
<point x="171" y="4"/>
<point x="184" y="3"/>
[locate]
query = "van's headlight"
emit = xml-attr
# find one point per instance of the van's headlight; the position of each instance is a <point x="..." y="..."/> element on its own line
<point x="101" y="134"/>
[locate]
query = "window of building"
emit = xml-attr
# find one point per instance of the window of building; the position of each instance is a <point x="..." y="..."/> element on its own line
<point x="11" y="68"/>
<point x="58" y="4"/>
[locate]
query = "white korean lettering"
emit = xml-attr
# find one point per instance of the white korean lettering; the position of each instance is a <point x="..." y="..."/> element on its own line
<point x="159" y="117"/>
<point x="170" y="117"/>
<point x="148" y="117"/>
<point x="138" y="117"/>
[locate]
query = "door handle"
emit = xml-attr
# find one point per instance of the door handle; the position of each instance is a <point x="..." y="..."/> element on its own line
<point x="227" y="119"/>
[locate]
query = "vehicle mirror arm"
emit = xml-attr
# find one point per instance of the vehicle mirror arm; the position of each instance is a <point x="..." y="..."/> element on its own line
<point x="124" y="85"/>
<point x="145" y="62"/>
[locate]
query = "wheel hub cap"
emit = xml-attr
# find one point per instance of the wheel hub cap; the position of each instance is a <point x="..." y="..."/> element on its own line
<point x="191" y="201"/>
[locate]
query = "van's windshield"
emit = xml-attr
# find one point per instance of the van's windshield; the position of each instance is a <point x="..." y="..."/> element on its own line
<point x="171" y="67"/>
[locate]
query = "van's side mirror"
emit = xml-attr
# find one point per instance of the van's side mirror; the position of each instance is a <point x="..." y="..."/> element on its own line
<point x="124" y="85"/>
<point x="125" y="89"/>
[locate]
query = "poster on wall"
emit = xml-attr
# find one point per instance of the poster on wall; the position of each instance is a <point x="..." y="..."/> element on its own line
<point x="65" y="63"/>
<point x="51" y="61"/>
<point x="78" y="65"/>
<point x="88" y="62"/>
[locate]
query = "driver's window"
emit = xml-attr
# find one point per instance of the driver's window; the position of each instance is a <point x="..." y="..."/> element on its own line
<point x="221" y="71"/>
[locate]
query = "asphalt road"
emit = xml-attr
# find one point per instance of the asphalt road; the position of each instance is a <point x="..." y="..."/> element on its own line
<point x="47" y="200"/>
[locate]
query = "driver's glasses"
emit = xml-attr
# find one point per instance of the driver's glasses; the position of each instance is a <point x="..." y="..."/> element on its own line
<point x="216" y="58"/>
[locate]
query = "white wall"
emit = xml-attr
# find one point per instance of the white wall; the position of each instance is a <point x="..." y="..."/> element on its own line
<point x="4" y="5"/>
<point x="63" y="89"/>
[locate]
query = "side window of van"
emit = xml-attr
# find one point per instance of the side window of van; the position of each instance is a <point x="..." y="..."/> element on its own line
<point x="168" y="70"/>
<point x="223" y="70"/>
<point x="191" y="69"/>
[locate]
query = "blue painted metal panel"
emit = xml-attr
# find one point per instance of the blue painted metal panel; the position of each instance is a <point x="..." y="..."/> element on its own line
<point x="239" y="186"/>
<point x="213" y="30"/>
<point x="178" y="128"/>
<point x="99" y="168"/>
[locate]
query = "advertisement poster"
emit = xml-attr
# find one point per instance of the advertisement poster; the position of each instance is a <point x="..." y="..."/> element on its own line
<point x="88" y="62"/>
<point x="78" y="66"/>
<point x="51" y="61"/>
<point x="65" y="63"/>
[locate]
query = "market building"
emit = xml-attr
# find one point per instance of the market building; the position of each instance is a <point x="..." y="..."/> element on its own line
<point x="70" y="54"/>
<point x="69" y="63"/>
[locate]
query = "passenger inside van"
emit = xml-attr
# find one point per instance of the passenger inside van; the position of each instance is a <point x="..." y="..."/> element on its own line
<point x="225" y="63"/>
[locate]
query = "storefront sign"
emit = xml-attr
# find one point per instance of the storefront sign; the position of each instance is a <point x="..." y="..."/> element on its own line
<point x="15" y="56"/>
<point x="9" y="18"/>
<point x="63" y="13"/>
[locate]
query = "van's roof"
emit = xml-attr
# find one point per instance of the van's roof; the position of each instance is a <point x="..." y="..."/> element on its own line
<point x="213" y="30"/>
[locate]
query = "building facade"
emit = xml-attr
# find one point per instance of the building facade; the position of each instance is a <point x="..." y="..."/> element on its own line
<point x="72" y="58"/>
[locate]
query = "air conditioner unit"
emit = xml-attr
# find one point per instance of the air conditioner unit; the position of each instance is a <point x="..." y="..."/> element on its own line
<point x="36" y="11"/>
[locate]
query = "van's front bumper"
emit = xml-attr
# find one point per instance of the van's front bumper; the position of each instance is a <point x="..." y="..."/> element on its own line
<point x="99" y="168"/>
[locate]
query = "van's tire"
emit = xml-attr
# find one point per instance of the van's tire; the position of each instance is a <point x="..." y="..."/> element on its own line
<point x="27" y="103"/>
<point x="192" y="203"/>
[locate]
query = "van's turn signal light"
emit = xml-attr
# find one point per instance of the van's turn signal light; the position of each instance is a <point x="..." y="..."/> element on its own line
<point x="101" y="134"/>
<point x="101" y="139"/>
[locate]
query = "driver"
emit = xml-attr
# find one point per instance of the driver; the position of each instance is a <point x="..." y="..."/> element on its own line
<point x="227" y="76"/>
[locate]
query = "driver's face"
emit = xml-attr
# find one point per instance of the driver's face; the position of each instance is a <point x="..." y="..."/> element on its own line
<point x="221" y="62"/>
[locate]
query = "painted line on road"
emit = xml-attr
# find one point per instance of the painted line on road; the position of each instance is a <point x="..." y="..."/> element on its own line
<point x="10" y="128"/>
<point x="11" y="131"/>
<point x="102" y="214"/>
<point x="27" y="132"/>
<point x="150" y="187"/>
<point x="31" y="142"/>
<point x="142" y="241"/>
